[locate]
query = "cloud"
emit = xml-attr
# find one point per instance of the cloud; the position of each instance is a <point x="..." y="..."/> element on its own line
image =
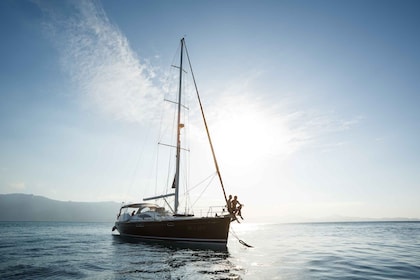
<point x="272" y="126"/>
<point x="100" y="62"/>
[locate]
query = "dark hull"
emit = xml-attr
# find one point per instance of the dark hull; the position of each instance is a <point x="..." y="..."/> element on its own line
<point x="202" y="230"/>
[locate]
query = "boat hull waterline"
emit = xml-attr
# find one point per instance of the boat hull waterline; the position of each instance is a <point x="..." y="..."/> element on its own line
<point x="180" y="229"/>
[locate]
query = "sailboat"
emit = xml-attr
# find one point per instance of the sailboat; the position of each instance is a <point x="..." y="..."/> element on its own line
<point x="150" y="221"/>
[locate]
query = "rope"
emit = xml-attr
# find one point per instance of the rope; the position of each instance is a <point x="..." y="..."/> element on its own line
<point x="199" y="183"/>
<point x="240" y="241"/>
<point x="202" y="192"/>
<point x="206" y="126"/>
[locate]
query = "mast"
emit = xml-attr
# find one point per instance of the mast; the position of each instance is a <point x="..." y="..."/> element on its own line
<point x="178" y="135"/>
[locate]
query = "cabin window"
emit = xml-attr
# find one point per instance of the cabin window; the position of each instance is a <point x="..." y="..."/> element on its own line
<point x="144" y="216"/>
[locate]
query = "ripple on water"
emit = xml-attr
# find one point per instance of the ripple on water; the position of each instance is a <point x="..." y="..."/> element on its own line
<point x="288" y="251"/>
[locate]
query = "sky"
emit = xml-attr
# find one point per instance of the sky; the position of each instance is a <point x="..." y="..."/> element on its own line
<point x="312" y="105"/>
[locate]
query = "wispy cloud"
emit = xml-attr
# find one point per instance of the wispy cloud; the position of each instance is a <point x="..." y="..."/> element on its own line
<point x="273" y="127"/>
<point x="99" y="60"/>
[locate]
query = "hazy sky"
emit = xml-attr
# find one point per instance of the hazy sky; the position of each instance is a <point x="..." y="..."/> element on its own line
<point x="313" y="105"/>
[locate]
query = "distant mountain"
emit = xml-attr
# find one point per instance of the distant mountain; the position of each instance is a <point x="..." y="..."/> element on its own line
<point x="26" y="207"/>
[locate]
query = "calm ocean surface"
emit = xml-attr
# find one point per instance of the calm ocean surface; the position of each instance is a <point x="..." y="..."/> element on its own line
<point x="31" y="250"/>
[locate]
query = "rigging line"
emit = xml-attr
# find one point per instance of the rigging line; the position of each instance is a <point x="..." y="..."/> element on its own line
<point x="157" y="168"/>
<point x="173" y="102"/>
<point x="240" y="241"/>
<point x="162" y="129"/>
<point x="140" y="157"/>
<point x="169" y="175"/>
<point x="163" y="126"/>
<point x="158" y="149"/>
<point x="205" y="179"/>
<point x="167" y="88"/>
<point x="201" y="194"/>
<point x="187" y="192"/>
<point x="187" y="155"/>
<point x="205" y="124"/>
<point x="172" y="210"/>
<point x="172" y="152"/>
<point x="172" y="146"/>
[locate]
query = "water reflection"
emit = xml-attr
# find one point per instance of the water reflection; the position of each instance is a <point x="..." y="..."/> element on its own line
<point x="172" y="245"/>
<point x="169" y="260"/>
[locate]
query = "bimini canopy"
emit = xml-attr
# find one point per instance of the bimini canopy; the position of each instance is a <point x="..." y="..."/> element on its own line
<point x="141" y="205"/>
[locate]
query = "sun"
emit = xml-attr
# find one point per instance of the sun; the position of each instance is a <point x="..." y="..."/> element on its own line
<point x="240" y="139"/>
<point x="247" y="134"/>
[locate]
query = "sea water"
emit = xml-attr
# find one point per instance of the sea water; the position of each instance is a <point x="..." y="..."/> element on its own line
<point x="44" y="250"/>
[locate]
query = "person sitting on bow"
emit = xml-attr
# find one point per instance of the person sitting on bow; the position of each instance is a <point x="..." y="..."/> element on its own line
<point x="236" y="207"/>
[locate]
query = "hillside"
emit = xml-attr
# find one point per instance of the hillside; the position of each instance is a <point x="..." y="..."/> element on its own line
<point x="25" y="207"/>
